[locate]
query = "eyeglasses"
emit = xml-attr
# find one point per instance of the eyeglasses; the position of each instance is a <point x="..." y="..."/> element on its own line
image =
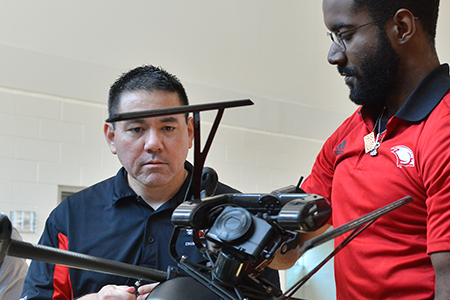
<point x="338" y="39"/>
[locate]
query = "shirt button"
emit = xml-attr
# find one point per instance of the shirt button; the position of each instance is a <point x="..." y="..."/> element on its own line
<point x="151" y="239"/>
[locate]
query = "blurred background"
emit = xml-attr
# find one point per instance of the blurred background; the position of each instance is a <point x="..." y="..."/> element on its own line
<point x="58" y="59"/>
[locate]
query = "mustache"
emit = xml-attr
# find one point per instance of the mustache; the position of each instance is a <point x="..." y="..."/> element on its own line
<point x="346" y="71"/>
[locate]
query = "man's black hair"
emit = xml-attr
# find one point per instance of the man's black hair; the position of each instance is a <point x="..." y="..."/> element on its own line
<point x="145" y="78"/>
<point x="425" y="10"/>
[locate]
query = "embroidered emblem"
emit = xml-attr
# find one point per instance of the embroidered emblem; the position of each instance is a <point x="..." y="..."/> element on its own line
<point x="340" y="149"/>
<point x="190" y="233"/>
<point x="201" y="233"/>
<point x="404" y="155"/>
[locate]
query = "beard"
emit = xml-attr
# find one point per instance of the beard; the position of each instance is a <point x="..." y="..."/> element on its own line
<point x="375" y="79"/>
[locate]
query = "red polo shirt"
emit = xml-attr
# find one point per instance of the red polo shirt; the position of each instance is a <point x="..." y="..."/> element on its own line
<point x="390" y="259"/>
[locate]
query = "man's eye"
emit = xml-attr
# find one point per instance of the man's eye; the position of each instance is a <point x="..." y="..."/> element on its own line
<point x="136" y="130"/>
<point x="169" y="128"/>
<point x="346" y="37"/>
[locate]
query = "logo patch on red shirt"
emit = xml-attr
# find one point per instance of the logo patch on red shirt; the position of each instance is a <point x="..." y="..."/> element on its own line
<point x="340" y="149"/>
<point x="404" y="155"/>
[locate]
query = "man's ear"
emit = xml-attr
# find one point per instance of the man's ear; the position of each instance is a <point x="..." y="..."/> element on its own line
<point x="404" y="27"/>
<point x="108" y="130"/>
<point x="190" y="128"/>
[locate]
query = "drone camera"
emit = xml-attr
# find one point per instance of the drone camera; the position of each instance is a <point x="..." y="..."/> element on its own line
<point x="238" y="229"/>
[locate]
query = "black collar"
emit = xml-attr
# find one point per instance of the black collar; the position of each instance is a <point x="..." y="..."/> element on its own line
<point x="422" y="101"/>
<point x="426" y="96"/>
<point x="121" y="189"/>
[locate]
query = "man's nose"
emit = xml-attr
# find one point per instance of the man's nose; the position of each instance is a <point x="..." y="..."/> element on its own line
<point x="153" y="141"/>
<point x="336" y="56"/>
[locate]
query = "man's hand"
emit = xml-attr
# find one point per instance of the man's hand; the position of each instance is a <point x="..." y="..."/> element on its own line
<point x="287" y="260"/>
<point x="121" y="292"/>
<point x="113" y="292"/>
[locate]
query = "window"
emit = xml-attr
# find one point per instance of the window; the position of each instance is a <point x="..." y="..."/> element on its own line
<point x="65" y="191"/>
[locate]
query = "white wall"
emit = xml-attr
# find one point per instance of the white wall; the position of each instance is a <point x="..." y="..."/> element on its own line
<point x="58" y="58"/>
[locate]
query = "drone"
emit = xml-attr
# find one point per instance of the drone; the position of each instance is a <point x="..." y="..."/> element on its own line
<point x="247" y="231"/>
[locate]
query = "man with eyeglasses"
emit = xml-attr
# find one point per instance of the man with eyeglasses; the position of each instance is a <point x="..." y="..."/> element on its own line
<point x="396" y="144"/>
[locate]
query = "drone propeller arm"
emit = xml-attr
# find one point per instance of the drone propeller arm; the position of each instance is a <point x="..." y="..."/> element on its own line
<point x="52" y="255"/>
<point x="81" y="261"/>
<point x="354" y="224"/>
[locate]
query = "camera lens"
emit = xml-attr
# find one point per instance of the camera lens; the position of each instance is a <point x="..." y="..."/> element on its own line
<point x="233" y="224"/>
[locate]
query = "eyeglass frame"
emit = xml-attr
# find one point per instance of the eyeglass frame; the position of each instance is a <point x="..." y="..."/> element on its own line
<point x="340" y="42"/>
<point x="336" y="37"/>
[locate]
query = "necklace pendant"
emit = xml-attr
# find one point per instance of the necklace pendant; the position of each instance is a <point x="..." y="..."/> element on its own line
<point x="369" y="142"/>
<point x="374" y="151"/>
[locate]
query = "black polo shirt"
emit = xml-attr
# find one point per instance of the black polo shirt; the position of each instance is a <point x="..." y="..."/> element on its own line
<point x="109" y="220"/>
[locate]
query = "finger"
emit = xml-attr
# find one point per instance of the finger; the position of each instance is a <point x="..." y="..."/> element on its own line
<point x="125" y="288"/>
<point x="111" y="292"/>
<point x="130" y="289"/>
<point x="142" y="297"/>
<point x="145" y="289"/>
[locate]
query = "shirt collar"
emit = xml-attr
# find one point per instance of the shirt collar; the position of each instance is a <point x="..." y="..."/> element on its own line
<point x="123" y="191"/>
<point x="422" y="101"/>
<point x="427" y="95"/>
